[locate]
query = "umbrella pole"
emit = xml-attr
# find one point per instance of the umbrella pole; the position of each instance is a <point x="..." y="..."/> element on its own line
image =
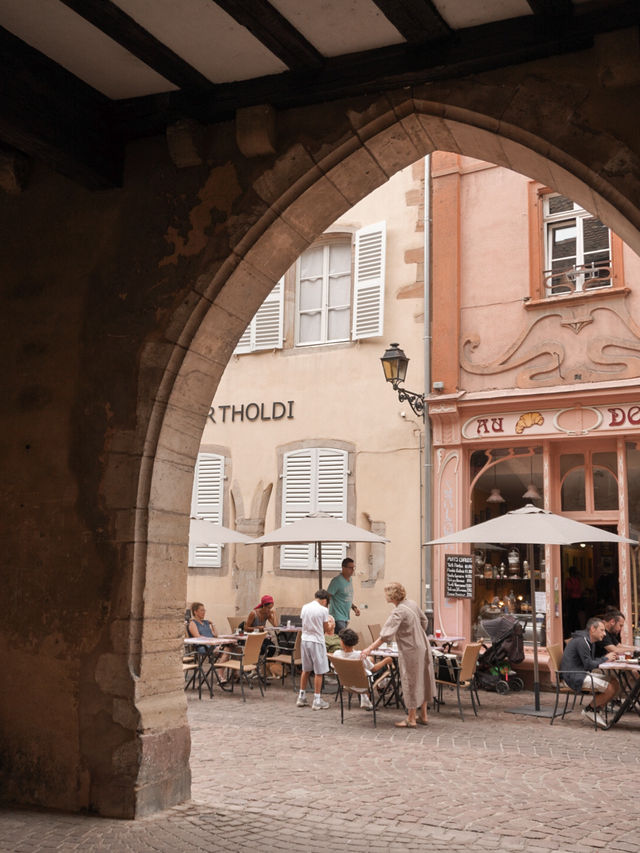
<point x="319" y="553"/>
<point x="536" y="672"/>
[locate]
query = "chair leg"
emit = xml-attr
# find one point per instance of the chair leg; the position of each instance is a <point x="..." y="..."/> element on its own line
<point x="459" y="701"/>
<point x="341" y="702"/>
<point x="555" y="707"/>
<point x="241" y="678"/>
<point x="473" y="701"/>
<point x="372" y="699"/>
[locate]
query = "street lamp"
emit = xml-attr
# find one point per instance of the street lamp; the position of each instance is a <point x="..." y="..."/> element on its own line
<point x="394" y="364"/>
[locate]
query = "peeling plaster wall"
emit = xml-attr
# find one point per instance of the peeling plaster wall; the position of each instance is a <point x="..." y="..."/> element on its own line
<point x="119" y="311"/>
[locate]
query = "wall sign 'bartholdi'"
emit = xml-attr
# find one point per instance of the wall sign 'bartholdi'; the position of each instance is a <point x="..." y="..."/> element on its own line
<point x="275" y="411"/>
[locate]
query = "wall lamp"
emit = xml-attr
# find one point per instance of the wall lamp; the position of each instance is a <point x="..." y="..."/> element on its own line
<point x="394" y="364"/>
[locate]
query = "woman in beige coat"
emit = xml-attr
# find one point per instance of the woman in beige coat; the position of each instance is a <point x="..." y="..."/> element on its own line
<point x="408" y="625"/>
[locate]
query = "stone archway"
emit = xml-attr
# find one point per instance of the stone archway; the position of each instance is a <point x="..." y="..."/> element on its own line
<point x="305" y="194"/>
<point x="144" y="370"/>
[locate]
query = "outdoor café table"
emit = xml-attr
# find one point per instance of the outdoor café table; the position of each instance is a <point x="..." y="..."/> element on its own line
<point x="626" y="671"/>
<point x="204" y="660"/>
<point x="393" y="689"/>
<point x="444" y="643"/>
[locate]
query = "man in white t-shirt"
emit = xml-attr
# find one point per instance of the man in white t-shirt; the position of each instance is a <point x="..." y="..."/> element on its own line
<point x="315" y="619"/>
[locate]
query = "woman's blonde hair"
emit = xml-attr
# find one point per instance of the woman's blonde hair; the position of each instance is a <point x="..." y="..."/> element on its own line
<point x="395" y="592"/>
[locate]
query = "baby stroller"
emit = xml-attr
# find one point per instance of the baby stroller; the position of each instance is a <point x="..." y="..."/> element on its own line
<point x="494" y="671"/>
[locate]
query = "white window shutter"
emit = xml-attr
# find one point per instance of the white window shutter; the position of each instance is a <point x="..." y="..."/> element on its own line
<point x="207" y="502"/>
<point x="265" y="331"/>
<point x="268" y="321"/>
<point x="368" y="303"/>
<point x="315" y="480"/>
<point x="297" y="502"/>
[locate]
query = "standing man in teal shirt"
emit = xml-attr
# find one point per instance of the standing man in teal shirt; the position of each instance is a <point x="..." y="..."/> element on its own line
<point x="341" y="595"/>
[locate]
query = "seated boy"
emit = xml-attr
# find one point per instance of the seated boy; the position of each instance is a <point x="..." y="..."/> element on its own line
<point x="349" y="641"/>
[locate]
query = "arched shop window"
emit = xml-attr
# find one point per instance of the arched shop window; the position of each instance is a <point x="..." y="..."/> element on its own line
<point x="589" y="482"/>
<point x="505" y="473"/>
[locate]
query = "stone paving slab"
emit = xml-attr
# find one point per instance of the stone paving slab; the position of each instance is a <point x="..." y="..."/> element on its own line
<point x="269" y="774"/>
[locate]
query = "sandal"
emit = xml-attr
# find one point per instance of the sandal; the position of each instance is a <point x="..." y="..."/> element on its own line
<point x="422" y="722"/>
<point x="404" y="724"/>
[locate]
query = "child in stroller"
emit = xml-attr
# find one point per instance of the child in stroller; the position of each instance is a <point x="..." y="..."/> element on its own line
<point x="494" y="663"/>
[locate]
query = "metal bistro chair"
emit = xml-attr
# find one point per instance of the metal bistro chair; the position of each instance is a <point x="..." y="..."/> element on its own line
<point x="245" y="662"/>
<point x="374" y="630"/>
<point x="555" y="664"/>
<point x="289" y="658"/>
<point x="234" y="622"/>
<point x="463" y="674"/>
<point x="354" y="678"/>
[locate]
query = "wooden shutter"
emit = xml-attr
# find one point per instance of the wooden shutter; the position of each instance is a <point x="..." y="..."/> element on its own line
<point x="368" y="300"/>
<point x="207" y="502"/>
<point x="265" y="331"/>
<point x="314" y="480"/>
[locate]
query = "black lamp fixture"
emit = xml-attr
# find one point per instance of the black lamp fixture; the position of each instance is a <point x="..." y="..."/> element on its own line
<point x="394" y="364"/>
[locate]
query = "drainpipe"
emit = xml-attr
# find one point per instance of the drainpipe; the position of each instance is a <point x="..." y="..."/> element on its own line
<point x="426" y="564"/>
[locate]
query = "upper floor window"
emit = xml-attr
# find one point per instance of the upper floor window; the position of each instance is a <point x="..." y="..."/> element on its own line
<point x="207" y="501"/>
<point x="314" y="480"/>
<point x="577" y="248"/>
<point x="265" y="329"/>
<point x="333" y="303"/>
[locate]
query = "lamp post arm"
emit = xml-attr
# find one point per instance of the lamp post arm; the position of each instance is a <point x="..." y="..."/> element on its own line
<point x="416" y="401"/>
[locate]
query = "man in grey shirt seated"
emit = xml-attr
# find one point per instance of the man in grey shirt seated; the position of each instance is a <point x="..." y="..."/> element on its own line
<point x="578" y="665"/>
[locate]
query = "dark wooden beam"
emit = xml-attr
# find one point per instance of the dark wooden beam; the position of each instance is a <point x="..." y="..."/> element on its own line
<point x="551" y="8"/>
<point x="275" y="32"/>
<point x="469" y="51"/>
<point x="49" y="114"/>
<point x="115" y="23"/>
<point x="417" y="20"/>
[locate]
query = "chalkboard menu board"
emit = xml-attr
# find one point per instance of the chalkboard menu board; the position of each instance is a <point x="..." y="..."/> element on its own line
<point x="458" y="576"/>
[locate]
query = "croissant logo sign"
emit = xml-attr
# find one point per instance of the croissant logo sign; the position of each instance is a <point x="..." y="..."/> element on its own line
<point x="504" y="424"/>
<point x="528" y="420"/>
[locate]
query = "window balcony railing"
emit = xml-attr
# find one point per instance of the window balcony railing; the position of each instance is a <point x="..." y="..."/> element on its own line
<point x="578" y="279"/>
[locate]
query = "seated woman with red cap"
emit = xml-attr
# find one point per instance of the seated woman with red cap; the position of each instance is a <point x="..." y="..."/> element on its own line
<point x="257" y="619"/>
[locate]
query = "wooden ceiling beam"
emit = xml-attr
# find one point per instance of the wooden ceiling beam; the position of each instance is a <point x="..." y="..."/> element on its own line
<point x="469" y="51"/>
<point x="275" y="32"/>
<point x="417" y="20"/>
<point x="49" y="114"/>
<point x="120" y="27"/>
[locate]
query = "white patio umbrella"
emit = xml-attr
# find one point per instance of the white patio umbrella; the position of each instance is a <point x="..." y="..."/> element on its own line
<point x="203" y="533"/>
<point x="531" y="526"/>
<point x="317" y="528"/>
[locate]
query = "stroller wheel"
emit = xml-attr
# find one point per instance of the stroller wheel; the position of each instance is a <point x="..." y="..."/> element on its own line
<point x="516" y="684"/>
<point x="502" y="687"/>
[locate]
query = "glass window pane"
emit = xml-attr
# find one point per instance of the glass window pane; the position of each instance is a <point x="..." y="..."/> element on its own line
<point x="559" y="203"/>
<point x="310" y="328"/>
<point x="339" y="324"/>
<point x="608" y="459"/>
<point x="605" y="489"/>
<point x="339" y="291"/>
<point x="563" y="241"/>
<point x="596" y="235"/>
<point x="573" y="495"/>
<point x="340" y="259"/>
<point x="569" y="461"/>
<point x="311" y="295"/>
<point x="311" y="263"/>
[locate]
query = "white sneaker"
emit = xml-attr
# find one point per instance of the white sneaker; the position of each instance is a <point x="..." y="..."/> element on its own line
<point x="365" y="702"/>
<point x="588" y="715"/>
<point x="600" y="721"/>
<point x="302" y="701"/>
<point x="319" y="705"/>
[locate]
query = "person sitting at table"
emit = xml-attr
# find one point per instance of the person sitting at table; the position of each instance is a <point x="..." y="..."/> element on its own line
<point x="408" y="624"/>
<point x="201" y="627"/>
<point x="257" y="620"/>
<point x="331" y="639"/>
<point x="579" y="664"/>
<point x="613" y="623"/>
<point x="348" y="642"/>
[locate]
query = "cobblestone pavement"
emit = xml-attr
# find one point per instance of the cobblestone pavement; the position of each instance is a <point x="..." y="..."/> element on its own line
<point x="267" y="774"/>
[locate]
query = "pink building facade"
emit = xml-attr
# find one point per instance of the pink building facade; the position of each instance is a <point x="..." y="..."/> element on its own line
<point x="536" y="355"/>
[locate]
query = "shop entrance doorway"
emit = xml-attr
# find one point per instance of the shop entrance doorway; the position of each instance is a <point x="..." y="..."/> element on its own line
<point x="590" y="581"/>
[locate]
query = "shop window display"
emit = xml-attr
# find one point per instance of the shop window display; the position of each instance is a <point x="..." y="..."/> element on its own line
<point x="502" y="570"/>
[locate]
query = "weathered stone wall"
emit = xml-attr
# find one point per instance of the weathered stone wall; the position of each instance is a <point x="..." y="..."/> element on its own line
<point x="119" y="311"/>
